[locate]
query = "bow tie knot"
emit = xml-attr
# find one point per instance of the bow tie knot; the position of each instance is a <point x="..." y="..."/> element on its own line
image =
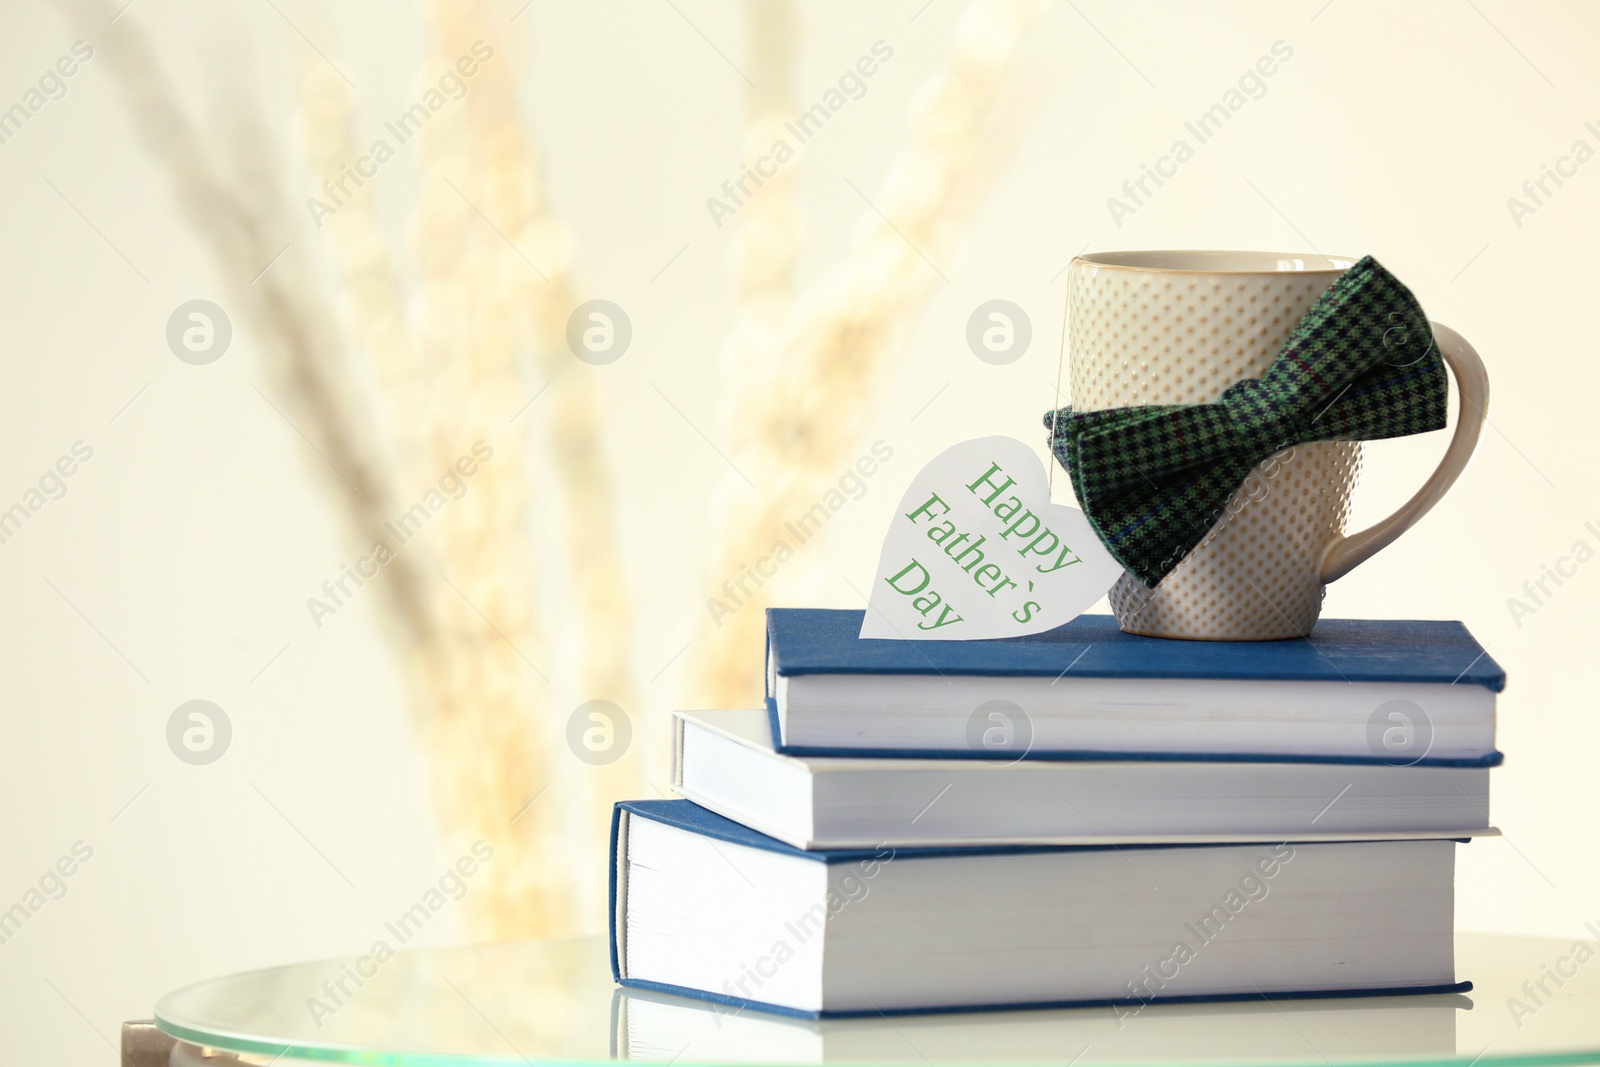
<point x="1254" y="418"/>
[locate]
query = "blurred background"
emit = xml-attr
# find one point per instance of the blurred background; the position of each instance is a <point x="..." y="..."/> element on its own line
<point x="405" y="381"/>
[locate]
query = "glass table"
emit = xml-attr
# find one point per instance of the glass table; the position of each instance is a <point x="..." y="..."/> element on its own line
<point x="548" y="1002"/>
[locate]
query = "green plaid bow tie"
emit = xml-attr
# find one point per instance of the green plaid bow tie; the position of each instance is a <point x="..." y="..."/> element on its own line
<point x="1361" y="365"/>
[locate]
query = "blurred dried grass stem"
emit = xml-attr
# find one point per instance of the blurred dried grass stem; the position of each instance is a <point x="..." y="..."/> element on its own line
<point x="531" y="283"/>
<point x="803" y="398"/>
<point x="445" y="370"/>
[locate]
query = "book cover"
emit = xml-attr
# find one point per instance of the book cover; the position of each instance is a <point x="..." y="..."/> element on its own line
<point x="689" y="817"/>
<point x="805" y="641"/>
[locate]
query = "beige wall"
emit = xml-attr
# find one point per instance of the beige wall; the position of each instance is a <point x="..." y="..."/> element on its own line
<point x="177" y="564"/>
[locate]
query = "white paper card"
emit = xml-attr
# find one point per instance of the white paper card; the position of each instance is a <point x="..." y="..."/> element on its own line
<point x="976" y="550"/>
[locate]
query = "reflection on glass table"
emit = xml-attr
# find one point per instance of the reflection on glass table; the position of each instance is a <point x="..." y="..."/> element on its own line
<point x="1534" y="1002"/>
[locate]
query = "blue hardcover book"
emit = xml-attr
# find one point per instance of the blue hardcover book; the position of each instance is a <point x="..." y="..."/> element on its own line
<point x="1359" y="691"/>
<point x="704" y="907"/>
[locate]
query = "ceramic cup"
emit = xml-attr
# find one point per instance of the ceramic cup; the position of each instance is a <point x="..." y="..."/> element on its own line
<point x="1179" y="328"/>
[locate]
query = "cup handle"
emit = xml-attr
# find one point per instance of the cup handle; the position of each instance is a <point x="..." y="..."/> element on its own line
<point x="1344" y="554"/>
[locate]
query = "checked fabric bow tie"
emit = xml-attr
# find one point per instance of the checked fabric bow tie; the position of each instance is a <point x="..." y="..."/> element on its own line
<point x="1152" y="480"/>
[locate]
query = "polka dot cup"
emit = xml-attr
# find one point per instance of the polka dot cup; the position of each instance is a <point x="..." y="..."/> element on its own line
<point x="1179" y="328"/>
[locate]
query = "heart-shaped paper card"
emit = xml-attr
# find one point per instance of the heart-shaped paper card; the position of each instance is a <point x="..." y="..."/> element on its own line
<point x="976" y="550"/>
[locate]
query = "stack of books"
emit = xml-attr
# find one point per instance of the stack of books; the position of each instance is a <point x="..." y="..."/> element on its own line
<point x="1075" y="817"/>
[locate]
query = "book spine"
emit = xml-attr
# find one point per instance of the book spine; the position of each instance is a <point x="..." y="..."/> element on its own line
<point x="617" y="894"/>
<point x="677" y="749"/>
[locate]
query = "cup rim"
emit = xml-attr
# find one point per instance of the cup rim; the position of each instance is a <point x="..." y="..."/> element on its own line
<point x="1217" y="261"/>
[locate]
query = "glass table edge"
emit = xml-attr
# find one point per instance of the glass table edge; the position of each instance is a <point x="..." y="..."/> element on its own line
<point x="335" y="1054"/>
